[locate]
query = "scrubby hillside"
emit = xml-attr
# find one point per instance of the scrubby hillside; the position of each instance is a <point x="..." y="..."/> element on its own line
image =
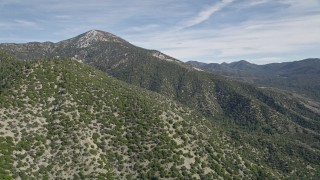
<point x="63" y="119"/>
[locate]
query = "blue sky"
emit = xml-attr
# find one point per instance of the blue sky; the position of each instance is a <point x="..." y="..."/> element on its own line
<point x="260" y="31"/>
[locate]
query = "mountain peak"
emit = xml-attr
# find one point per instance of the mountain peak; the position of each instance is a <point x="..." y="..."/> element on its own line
<point x="93" y="33"/>
<point x="241" y="62"/>
<point x="90" y="37"/>
<point x="98" y="34"/>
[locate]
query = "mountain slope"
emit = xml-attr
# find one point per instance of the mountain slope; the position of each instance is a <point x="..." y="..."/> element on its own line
<point x="301" y="77"/>
<point x="63" y="119"/>
<point x="283" y="129"/>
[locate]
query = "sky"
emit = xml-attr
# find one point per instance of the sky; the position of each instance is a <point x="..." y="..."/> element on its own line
<point x="211" y="31"/>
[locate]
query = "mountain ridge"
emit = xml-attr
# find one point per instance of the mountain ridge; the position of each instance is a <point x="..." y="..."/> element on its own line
<point x="297" y="76"/>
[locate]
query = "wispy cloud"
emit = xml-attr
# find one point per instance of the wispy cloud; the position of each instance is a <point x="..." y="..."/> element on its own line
<point x="24" y="23"/>
<point x="207" y="13"/>
<point x="144" y="28"/>
<point x="62" y="16"/>
<point x="6" y="2"/>
<point x="253" y="3"/>
<point x="19" y="23"/>
<point x="251" y="40"/>
<point x="219" y="30"/>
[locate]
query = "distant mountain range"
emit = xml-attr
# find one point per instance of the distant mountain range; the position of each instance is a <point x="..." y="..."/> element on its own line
<point x="302" y="77"/>
<point x="275" y="130"/>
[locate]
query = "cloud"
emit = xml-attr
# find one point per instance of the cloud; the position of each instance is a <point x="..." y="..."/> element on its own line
<point x="251" y="39"/>
<point x="62" y="16"/>
<point x="207" y="13"/>
<point x="24" y="23"/>
<point x="19" y="23"/>
<point x="144" y="28"/>
<point x="256" y="2"/>
<point x="7" y="2"/>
